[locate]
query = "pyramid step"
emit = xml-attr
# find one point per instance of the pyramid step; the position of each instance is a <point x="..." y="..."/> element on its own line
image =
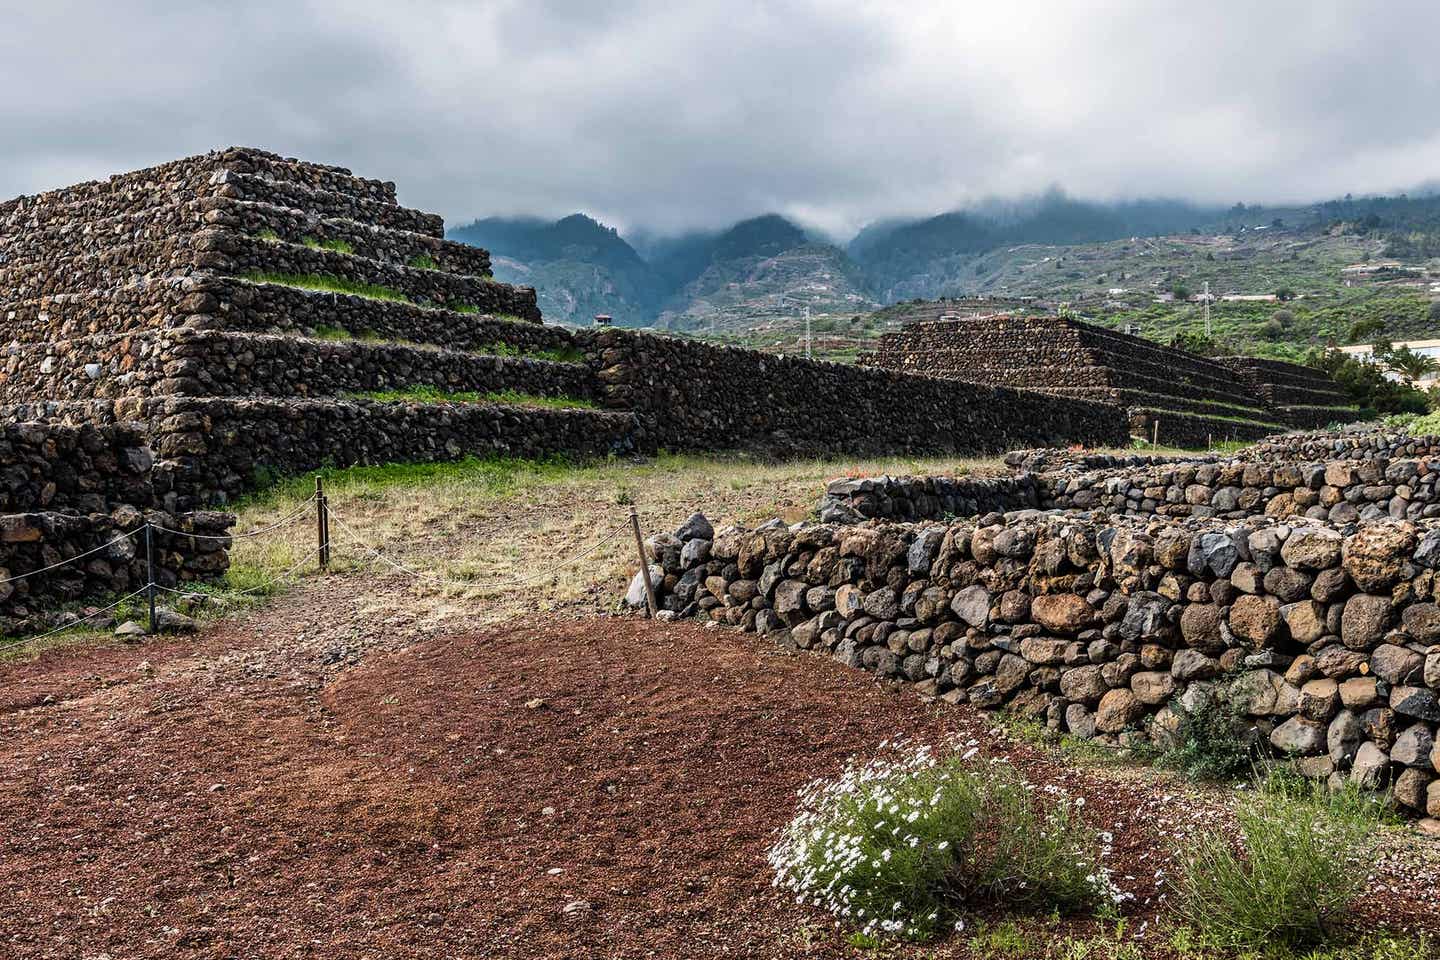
<point x="326" y="203"/>
<point x="212" y="449"/>
<point x="385" y="244"/>
<point x="305" y="173"/>
<point x="214" y="363"/>
<point x="265" y="261"/>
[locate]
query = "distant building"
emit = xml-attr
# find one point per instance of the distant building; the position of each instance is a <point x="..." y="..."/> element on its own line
<point x="1249" y="298"/>
<point x="1426" y="348"/>
<point x="603" y="319"/>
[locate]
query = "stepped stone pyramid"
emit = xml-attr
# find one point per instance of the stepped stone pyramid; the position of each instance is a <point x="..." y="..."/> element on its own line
<point x="241" y="305"/>
<point x="1194" y="398"/>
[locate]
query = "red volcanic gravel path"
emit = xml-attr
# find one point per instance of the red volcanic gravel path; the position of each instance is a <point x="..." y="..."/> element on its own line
<point x="599" y="788"/>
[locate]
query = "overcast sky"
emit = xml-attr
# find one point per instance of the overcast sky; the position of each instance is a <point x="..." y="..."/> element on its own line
<point x="687" y="113"/>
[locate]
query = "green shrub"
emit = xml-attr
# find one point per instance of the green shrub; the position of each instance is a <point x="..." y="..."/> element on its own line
<point x="1208" y="742"/>
<point x="1300" y="858"/>
<point x="903" y="845"/>
<point x="422" y="261"/>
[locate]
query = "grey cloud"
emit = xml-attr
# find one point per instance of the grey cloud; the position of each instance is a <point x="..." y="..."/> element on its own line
<point x="671" y="115"/>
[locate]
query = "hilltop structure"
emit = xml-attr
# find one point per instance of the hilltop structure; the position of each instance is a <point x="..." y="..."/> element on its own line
<point x="1193" y="399"/>
<point x="258" y="315"/>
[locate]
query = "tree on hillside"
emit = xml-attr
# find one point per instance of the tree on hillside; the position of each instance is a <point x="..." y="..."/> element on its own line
<point x="1409" y="364"/>
<point x="1284" y="294"/>
<point x="1362" y="330"/>
<point x="1435" y="311"/>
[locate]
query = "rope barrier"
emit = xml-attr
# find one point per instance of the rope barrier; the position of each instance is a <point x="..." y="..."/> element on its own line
<point x="78" y="556"/>
<point x="285" y="521"/>
<point x="445" y="581"/>
<point x="75" y="623"/>
<point x="258" y="587"/>
<point x="322" y="551"/>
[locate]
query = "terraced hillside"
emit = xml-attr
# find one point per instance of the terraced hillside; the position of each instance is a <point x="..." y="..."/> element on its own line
<point x="264" y="315"/>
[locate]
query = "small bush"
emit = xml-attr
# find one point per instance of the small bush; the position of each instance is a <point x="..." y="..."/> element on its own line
<point x="1301" y="857"/>
<point x="900" y="847"/>
<point x="1209" y="742"/>
<point x="422" y="261"/>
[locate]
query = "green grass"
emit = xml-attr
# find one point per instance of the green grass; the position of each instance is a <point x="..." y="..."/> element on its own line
<point x="422" y="261"/>
<point x="335" y="246"/>
<point x="328" y="284"/>
<point x="327" y="332"/>
<point x="567" y="354"/>
<point x="428" y="394"/>
<point x="492" y="475"/>
<point x="1301" y="857"/>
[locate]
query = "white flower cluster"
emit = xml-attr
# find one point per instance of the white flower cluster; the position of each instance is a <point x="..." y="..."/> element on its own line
<point x="879" y="846"/>
<point x="860" y="840"/>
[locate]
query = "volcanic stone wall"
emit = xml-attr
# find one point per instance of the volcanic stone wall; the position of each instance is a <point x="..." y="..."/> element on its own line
<point x="694" y="396"/>
<point x="1316" y="643"/>
<point x="1302" y="396"/>
<point x="1344" y="445"/>
<point x="245" y="308"/>
<point x="1335" y="491"/>
<point x="1193" y="399"/>
<point x="76" y="491"/>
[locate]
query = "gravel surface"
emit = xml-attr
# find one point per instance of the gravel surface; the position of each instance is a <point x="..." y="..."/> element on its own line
<point x="338" y="775"/>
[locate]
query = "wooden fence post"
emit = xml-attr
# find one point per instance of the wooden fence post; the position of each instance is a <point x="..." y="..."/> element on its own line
<point x="644" y="563"/>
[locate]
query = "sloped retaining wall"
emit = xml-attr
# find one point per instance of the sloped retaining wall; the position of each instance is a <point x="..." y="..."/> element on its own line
<point x="694" y="396"/>
<point x="1323" y="645"/>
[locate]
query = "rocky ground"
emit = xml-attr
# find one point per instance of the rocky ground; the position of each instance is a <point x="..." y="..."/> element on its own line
<point x="344" y="773"/>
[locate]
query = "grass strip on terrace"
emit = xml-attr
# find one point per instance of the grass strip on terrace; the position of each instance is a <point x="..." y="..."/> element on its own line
<point x="566" y="354"/>
<point x="335" y="246"/>
<point x="428" y="394"/>
<point x="321" y="283"/>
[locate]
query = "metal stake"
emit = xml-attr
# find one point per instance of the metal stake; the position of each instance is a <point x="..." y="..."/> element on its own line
<point x="150" y="573"/>
<point x="644" y="562"/>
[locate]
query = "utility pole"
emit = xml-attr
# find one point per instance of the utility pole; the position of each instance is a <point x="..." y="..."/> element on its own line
<point x="1207" y="309"/>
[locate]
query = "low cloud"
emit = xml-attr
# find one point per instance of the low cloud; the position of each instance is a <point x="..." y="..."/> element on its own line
<point x="668" y="116"/>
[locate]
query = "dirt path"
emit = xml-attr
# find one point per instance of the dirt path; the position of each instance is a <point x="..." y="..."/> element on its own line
<point x="346" y="777"/>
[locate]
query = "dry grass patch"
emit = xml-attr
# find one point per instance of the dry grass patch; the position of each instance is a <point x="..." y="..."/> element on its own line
<point x="485" y="523"/>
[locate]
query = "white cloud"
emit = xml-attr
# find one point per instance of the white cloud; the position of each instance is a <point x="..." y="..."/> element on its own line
<point x="671" y="115"/>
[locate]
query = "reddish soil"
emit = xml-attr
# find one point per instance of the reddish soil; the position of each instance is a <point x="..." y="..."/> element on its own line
<point x="259" y="793"/>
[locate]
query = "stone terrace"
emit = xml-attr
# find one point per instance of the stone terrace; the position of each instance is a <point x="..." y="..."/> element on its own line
<point x="262" y="315"/>
<point x="192" y="297"/>
<point x="1195" y="400"/>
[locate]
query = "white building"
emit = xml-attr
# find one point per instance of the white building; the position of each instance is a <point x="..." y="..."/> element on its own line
<point x="1426" y="348"/>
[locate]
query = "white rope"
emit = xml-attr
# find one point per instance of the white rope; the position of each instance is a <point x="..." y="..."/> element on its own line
<point x="471" y="584"/>
<point x="78" y="556"/>
<point x="289" y="518"/>
<point x="258" y="587"/>
<point x="75" y="623"/>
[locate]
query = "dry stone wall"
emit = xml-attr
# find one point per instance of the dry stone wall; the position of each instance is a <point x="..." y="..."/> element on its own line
<point x="1319" y="643"/>
<point x="73" y="491"/>
<point x="193" y="298"/>
<point x="1336" y="491"/>
<point x="694" y="396"/>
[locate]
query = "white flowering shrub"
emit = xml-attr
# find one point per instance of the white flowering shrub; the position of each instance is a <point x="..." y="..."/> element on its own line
<point x="901" y="846"/>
